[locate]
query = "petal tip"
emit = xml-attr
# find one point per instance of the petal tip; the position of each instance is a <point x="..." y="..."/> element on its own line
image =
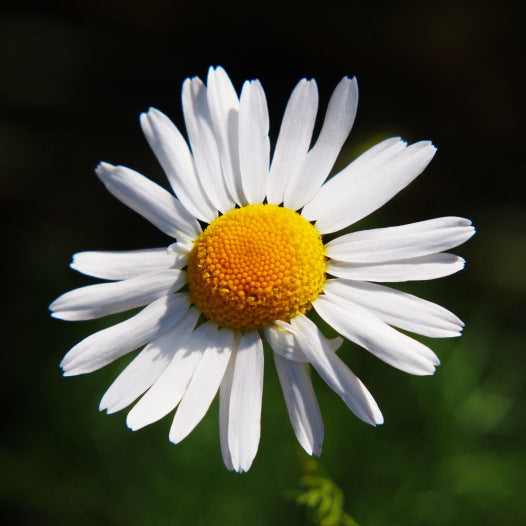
<point x="131" y="423"/>
<point x="104" y="168"/>
<point x="379" y="420"/>
<point x="174" y="438"/>
<point x="317" y="451"/>
<point x="144" y="120"/>
<point x="178" y="433"/>
<point x="112" y="410"/>
<point x="241" y="469"/>
<point x="74" y="265"/>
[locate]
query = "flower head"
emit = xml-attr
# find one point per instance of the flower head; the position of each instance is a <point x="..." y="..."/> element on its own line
<point x="259" y="266"/>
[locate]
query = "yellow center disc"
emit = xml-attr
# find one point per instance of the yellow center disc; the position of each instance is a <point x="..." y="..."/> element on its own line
<point x="255" y="265"/>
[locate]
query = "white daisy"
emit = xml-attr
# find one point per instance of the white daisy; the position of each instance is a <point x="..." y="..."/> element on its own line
<point x="259" y="266"/>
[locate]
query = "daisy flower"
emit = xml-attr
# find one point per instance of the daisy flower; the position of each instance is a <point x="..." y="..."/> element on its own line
<point x="248" y="262"/>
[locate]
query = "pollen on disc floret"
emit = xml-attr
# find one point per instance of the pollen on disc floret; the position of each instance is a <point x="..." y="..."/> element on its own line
<point x="255" y="265"/>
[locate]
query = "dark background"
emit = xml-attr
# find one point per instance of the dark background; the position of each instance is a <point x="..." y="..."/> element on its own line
<point x="76" y="75"/>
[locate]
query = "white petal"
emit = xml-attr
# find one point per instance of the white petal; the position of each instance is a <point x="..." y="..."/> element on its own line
<point x="244" y="415"/>
<point x="424" y="267"/>
<point x="225" y="391"/>
<point x="224" y="109"/>
<point x="302" y="404"/>
<point x="335" y="373"/>
<point x="336" y="127"/>
<point x="95" y="301"/>
<point x="148" y="365"/>
<point x="126" y="264"/>
<point x="180" y="250"/>
<point x="363" y="328"/>
<point x="401" y="242"/>
<point x="103" y="347"/>
<point x="366" y="185"/>
<point x="203" y="386"/>
<point x="295" y="135"/>
<point x="175" y="157"/>
<point x="147" y="198"/>
<point x="204" y="144"/>
<point x="254" y="143"/>
<point x="283" y="343"/>
<point x="164" y="395"/>
<point x="379" y="154"/>
<point x="398" y="308"/>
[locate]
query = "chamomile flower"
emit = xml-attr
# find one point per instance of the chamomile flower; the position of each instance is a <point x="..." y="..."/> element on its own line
<point x="248" y="262"/>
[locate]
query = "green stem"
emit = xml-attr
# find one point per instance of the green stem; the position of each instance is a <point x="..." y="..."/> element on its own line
<point x="321" y="496"/>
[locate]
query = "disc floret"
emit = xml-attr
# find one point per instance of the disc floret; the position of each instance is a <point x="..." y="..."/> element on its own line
<point x="255" y="265"/>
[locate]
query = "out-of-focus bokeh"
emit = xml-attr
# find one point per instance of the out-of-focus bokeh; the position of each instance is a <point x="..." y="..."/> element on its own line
<point x="76" y="75"/>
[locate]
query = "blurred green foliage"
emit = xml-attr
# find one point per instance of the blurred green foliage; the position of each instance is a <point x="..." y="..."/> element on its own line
<point x="75" y="77"/>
